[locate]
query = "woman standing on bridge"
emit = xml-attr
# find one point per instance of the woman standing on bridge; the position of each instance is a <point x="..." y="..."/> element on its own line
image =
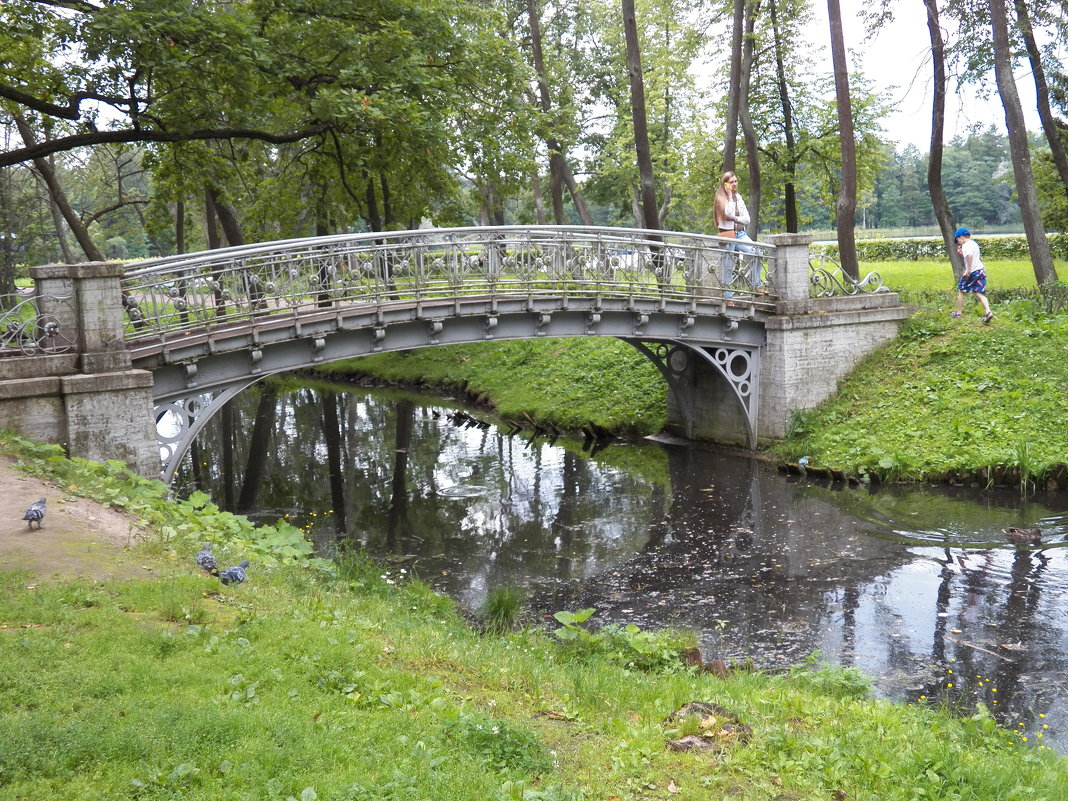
<point x="731" y="219"/>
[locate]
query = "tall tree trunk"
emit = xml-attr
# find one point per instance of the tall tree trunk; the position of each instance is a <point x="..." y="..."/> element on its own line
<point x="735" y="98"/>
<point x="374" y="219"/>
<point x="179" y="226"/>
<point x="1049" y="123"/>
<point x="559" y="172"/>
<point x="942" y="211"/>
<point x="332" y="436"/>
<point x="228" y="221"/>
<point x="641" y="131"/>
<point x="61" y="236"/>
<point x="211" y="222"/>
<point x="576" y="194"/>
<point x="847" y="196"/>
<point x="752" y="150"/>
<point x="388" y="217"/>
<point x="59" y="197"/>
<point x="556" y="177"/>
<point x="539" y="200"/>
<point x="259" y="441"/>
<point x="1041" y="257"/>
<point x="790" y="167"/>
<point x="7" y="244"/>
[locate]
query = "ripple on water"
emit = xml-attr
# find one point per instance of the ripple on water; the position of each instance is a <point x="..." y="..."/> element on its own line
<point x="464" y="491"/>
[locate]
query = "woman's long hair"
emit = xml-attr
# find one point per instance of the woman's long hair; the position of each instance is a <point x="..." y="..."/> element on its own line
<point x="723" y="195"/>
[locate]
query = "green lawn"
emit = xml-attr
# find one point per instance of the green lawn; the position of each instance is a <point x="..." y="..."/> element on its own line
<point x="917" y="276"/>
<point x="356" y="683"/>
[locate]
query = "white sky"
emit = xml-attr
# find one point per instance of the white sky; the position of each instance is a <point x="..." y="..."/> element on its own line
<point x="897" y="60"/>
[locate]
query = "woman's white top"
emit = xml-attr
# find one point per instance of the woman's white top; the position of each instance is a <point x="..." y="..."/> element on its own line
<point x="736" y="213"/>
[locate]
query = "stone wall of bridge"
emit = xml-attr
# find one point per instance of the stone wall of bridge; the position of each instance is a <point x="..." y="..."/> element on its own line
<point x="89" y="400"/>
<point x="806" y="355"/>
<point x="811" y="345"/>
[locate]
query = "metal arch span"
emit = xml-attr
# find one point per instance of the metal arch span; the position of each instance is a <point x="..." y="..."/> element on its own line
<point x="194" y="381"/>
<point x="738" y="364"/>
<point x="208" y="324"/>
<point x="218" y="357"/>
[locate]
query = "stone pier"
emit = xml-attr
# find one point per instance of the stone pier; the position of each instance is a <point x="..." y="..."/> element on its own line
<point x="811" y="344"/>
<point x="90" y="400"/>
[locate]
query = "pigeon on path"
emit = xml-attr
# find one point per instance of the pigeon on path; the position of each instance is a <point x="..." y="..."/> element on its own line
<point x="206" y="559"/>
<point x="35" y="513"/>
<point x="233" y="575"/>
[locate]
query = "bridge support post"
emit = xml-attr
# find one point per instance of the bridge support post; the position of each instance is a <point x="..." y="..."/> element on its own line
<point x="810" y="345"/>
<point x="94" y="404"/>
<point x="813" y="343"/>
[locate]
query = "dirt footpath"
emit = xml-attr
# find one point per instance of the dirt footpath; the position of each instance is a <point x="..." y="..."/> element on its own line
<point x="78" y="537"/>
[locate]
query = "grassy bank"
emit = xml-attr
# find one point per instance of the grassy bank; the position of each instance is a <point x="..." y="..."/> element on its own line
<point x="356" y="683"/>
<point x="562" y="383"/>
<point x="949" y="399"/>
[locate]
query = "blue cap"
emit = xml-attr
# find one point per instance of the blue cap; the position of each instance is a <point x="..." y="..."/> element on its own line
<point x="962" y="232"/>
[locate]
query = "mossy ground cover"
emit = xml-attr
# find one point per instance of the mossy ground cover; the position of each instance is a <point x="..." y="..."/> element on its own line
<point x="951" y="397"/>
<point x="357" y="683"/>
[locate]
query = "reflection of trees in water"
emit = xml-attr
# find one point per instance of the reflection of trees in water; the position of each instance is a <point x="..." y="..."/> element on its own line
<point x="738" y="544"/>
<point x="402" y="479"/>
<point x="992" y="612"/>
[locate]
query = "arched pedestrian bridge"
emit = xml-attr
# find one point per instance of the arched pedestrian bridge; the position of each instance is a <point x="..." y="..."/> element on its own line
<point x="712" y="315"/>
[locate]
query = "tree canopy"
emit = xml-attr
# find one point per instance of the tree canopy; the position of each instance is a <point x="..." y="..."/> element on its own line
<point x="147" y="125"/>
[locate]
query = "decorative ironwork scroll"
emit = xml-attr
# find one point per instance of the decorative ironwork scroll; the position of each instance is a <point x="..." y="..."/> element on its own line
<point x="31" y="325"/>
<point x="828" y="279"/>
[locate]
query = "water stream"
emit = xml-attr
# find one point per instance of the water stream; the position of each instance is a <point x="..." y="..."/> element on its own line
<point x="916" y="586"/>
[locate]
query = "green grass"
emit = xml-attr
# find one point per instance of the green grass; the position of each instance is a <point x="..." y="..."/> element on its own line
<point x="924" y="276"/>
<point x="342" y="693"/>
<point x="951" y="398"/>
<point x="563" y="383"/>
<point x="359" y="684"/>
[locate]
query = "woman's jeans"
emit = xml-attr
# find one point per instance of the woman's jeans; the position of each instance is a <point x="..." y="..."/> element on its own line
<point x="735" y="256"/>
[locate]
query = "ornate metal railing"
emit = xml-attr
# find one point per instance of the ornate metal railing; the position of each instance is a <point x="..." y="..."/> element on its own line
<point x="827" y="278"/>
<point x="234" y="284"/>
<point x="31" y="325"/>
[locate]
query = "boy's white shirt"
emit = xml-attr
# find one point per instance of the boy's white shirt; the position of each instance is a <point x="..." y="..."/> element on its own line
<point x="969" y="250"/>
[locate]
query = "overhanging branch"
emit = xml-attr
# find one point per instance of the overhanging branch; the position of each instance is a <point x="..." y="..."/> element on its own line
<point x="63" y="144"/>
